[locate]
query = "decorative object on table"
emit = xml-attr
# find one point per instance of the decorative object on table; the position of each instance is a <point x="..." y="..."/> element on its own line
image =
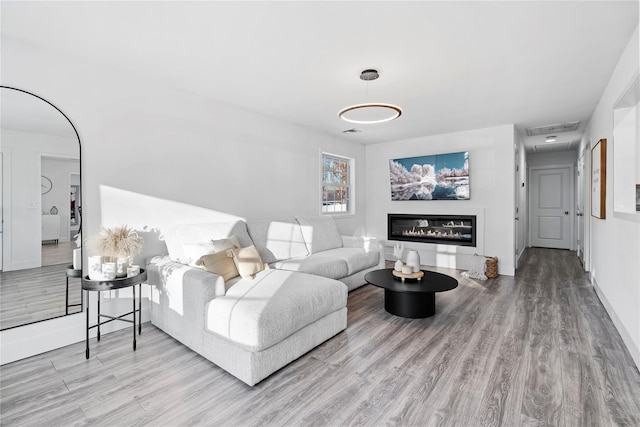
<point x="599" y="179"/>
<point x="45" y="184"/>
<point x="397" y="253"/>
<point x="402" y="275"/>
<point x="77" y="253"/>
<point x="478" y="265"/>
<point x="120" y="243"/>
<point x="406" y="269"/>
<point x="53" y="211"/>
<point x="413" y="260"/>
<point x="434" y="177"/>
<point x="108" y="270"/>
<point x="95" y="267"/>
<point x="133" y="270"/>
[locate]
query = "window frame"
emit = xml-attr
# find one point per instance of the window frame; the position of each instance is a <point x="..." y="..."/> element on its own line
<point x="349" y="186"/>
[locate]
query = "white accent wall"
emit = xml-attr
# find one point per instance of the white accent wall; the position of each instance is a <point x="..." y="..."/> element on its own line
<point x="491" y="170"/>
<point x="615" y="241"/>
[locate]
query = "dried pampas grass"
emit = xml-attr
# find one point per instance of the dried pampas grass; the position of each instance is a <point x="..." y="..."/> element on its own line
<point x="120" y="241"/>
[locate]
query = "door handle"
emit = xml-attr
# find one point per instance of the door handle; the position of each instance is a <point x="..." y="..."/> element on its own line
<point x="517" y="219"/>
<point x="566" y="212"/>
<point x="579" y="214"/>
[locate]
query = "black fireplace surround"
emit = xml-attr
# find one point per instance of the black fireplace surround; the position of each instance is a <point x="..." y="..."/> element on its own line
<point x="457" y="230"/>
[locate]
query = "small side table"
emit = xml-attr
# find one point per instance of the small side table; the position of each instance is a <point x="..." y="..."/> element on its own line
<point x="89" y="285"/>
<point x="71" y="272"/>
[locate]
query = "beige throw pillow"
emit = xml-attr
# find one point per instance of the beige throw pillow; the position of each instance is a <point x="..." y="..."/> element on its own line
<point x="220" y="263"/>
<point x="248" y="261"/>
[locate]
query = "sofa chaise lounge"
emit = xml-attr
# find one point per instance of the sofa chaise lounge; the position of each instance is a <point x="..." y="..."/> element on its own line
<point x="255" y="325"/>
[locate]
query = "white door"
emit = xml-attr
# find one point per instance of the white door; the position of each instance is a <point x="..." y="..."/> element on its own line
<point x="551" y="208"/>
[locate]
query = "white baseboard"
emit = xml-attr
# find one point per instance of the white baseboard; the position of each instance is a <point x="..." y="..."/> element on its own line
<point x="36" y="338"/>
<point x="626" y="337"/>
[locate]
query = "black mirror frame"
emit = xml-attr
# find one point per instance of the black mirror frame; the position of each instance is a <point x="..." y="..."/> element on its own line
<point x="80" y="212"/>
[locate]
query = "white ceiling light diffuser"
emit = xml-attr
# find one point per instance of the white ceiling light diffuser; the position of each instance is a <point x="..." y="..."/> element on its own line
<point x="370" y="112"/>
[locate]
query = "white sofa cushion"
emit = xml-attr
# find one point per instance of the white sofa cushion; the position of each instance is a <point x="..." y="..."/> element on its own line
<point x="253" y="317"/>
<point x="357" y="259"/>
<point x="175" y="237"/>
<point x="320" y="233"/>
<point x="333" y="268"/>
<point x="277" y="239"/>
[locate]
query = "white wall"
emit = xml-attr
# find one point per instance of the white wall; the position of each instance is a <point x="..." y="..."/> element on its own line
<point x="491" y="168"/>
<point x="22" y="198"/>
<point x="552" y="158"/>
<point x="153" y="156"/>
<point x="615" y="241"/>
<point x="59" y="172"/>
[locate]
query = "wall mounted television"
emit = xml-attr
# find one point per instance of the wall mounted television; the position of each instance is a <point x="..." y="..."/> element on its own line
<point x="434" y="177"/>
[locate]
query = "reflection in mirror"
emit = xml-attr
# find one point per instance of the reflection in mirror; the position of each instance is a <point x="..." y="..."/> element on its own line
<point x="40" y="210"/>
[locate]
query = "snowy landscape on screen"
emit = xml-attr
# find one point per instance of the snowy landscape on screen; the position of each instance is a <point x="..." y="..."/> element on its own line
<point x="436" y="177"/>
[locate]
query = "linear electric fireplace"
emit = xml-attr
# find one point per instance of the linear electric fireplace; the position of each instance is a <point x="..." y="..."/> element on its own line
<point x="441" y="229"/>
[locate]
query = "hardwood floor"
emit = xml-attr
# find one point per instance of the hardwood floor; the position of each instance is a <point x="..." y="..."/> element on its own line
<point x="35" y="294"/>
<point x="31" y="295"/>
<point x="62" y="253"/>
<point x="538" y="349"/>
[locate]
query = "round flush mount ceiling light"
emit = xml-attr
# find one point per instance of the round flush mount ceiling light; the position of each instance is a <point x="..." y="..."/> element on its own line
<point x="370" y="112"/>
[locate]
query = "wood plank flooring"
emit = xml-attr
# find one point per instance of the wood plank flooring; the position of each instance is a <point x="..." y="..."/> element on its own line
<point x="62" y="253"/>
<point x="35" y="294"/>
<point x="538" y="349"/>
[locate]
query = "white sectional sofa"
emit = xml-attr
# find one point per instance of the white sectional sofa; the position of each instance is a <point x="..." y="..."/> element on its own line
<point x="253" y="326"/>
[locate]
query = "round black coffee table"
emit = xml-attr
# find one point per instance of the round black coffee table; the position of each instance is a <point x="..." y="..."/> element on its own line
<point x="411" y="298"/>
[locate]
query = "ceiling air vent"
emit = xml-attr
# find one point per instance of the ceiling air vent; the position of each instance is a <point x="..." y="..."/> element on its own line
<point x="544" y="130"/>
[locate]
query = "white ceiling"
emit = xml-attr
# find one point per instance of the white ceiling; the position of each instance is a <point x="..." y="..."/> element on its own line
<point x="450" y="65"/>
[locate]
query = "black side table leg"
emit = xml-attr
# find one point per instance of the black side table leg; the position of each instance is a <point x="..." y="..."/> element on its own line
<point x="87" y="339"/>
<point x="66" y="305"/>
<point x="134" y="318"/>
<point x="98" y="315"/>
<point x="139" y="307"/>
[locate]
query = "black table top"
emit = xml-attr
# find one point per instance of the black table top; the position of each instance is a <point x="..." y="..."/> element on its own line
<point x="431" y="282"/>
<point x="72" y="272"/>
<point x="108" y="285"/>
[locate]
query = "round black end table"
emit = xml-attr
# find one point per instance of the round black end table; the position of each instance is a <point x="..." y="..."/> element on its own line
<point x="89" y="285"/>
<point x="411" y="298"/>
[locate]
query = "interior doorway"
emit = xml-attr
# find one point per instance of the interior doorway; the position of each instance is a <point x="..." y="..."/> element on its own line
<point x="551" y="207"/>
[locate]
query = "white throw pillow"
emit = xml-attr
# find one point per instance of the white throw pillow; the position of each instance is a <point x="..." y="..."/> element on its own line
<point x="221" y="245"/>
<point x="194" y="251"/>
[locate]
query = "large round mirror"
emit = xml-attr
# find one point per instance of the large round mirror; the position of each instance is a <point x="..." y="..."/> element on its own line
<point x="40" y="210"/>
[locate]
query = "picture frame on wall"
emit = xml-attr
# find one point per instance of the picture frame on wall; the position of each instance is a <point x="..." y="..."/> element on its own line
<point x="599" y="179"/>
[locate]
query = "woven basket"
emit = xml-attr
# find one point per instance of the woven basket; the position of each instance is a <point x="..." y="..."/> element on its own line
<point x="491" y="267"/>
